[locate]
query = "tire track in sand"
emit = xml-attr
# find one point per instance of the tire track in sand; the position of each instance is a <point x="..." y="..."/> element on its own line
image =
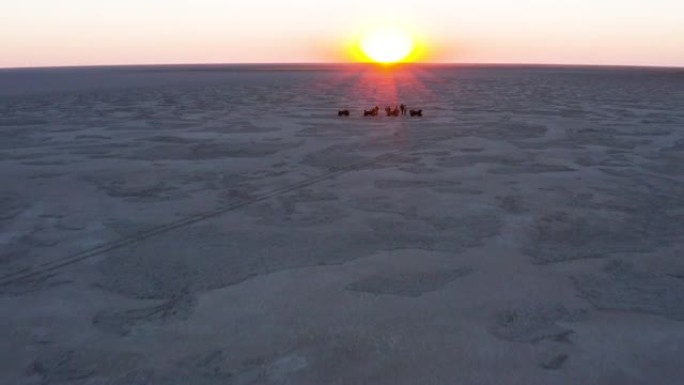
<point x="187" y="221"/>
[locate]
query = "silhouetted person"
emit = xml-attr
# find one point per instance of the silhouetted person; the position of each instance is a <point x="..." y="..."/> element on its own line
<point x="403" y="109"/>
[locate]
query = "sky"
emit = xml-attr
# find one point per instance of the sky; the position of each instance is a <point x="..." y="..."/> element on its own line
<point x="93" y="32"/>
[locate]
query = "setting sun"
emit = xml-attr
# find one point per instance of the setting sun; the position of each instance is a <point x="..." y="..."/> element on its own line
<point x="386" y="46"/>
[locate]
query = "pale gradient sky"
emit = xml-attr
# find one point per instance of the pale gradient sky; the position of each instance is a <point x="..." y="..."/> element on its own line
<point x="87" y="32"/>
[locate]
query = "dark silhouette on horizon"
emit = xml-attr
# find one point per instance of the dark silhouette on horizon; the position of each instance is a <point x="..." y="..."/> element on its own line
<point x="371" y="112"/>
<point x="392" y="112"/>
<point x="400" y="110"/>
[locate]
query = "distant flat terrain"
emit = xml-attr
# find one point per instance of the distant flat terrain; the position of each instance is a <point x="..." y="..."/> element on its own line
<point x="221" y="225"/>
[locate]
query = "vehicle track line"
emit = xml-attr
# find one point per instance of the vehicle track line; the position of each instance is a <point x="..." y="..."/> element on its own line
<point x="187" y="221"/>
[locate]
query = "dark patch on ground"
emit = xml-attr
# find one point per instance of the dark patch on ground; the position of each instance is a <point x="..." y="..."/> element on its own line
<point x="207" y="150"/>
<point x="535" y="323"/>
<point x="561" y="237"/>
<point x="514" y="204"/>
<point x="335" y="157"/>
<point x="622" y="287"/>
<point x="62" y="368"/>
<point x="80" y="367"/>
<point x="10" y="206"/>
<point x="122" y="322"/>
<point x="530" y="169"/>
<point x="414" y="183"/>
<point x="202" y="258"/>
<point x="33" y="284"/>
<point x="409" y="284"/>
<point x="555" y="363"/>
<point x="303" y="208"/>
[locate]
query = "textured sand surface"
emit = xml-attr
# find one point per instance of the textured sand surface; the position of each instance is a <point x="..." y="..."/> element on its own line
<point x="210" y="225"/>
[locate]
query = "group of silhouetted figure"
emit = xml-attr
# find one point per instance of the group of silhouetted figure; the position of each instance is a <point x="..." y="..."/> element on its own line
<point x="396" y="111"/>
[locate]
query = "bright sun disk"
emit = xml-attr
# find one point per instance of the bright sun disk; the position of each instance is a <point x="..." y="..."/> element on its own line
<point x="386" y="46"/>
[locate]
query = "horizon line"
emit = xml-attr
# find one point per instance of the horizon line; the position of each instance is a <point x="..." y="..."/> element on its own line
<point x="455" y="64"/>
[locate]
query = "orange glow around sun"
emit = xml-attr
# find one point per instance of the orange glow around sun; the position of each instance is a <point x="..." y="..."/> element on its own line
<point x="386" y="46"/>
